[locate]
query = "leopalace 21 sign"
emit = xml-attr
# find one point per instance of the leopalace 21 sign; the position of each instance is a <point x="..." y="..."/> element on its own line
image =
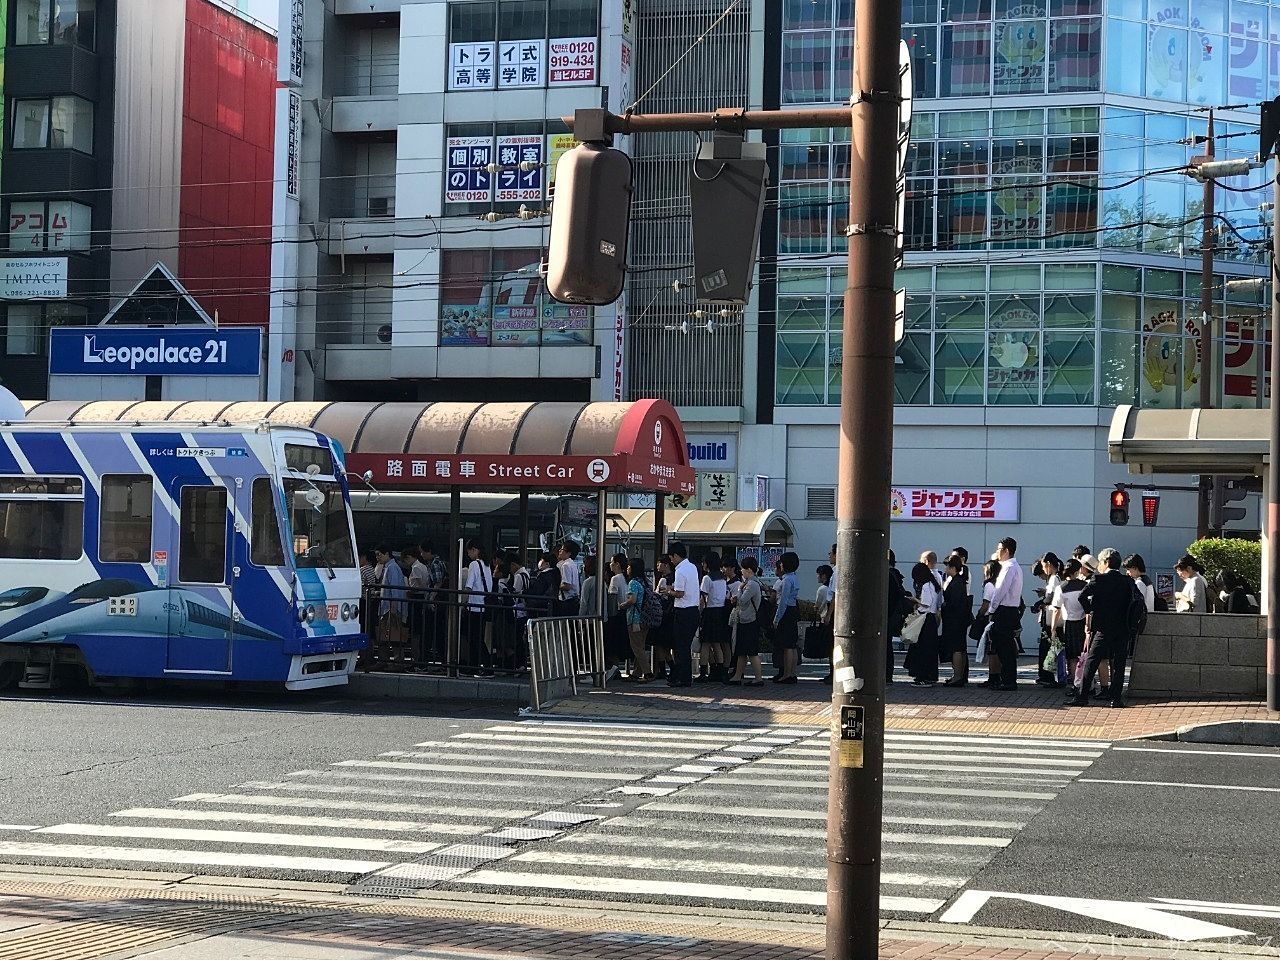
<point x="981" y="504"/>
<point x="153" y="351"/>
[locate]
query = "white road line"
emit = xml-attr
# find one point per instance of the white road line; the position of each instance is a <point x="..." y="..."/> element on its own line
<point x="694" y="768"/>
<point x="894" y="739"/>
<point x="911" y="788"/>
<point x="297" y="820"/>
<point x="956" y="753"/>
<point x="1230" y="909"/>
<point x="668" y="778"/>
<point x="380" y="844"/>
<point x="737" y="869"/>
<point x="1189" y="786"/>
<point x="17" y="826"/>
<point x="1030" y="773"/>
<point x="782" y="760"/>
<point x="533" y="762"/>
<point x="751" y="748"/>
<point x="652" y="824"/>
<point x="541" y="729"/>
<point x="722" y="759"/>
<point x="505" y="771"/>
<point x="639" y="790"/>
<point x="365" y="791"/>
<point x="1196" y="753"/>
<point x="69" y="851"/>
<point x="703" y="844"/>
<point x="589" y="751"/>
<point x="713" y="892"/>
<point x="496" y="813"/>
<point x="515" y="789"/>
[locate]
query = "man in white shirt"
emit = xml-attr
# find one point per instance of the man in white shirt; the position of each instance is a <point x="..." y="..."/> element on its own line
<point x="567" y="563"/>
<point x="1006" y="604"/>
<point x="684" y="590"/>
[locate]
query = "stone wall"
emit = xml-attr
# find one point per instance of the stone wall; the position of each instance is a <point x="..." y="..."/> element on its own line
<point x="1200" y="655"/>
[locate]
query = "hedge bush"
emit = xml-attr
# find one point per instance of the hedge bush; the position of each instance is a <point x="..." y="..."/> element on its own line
<point x="1241" y="557"/>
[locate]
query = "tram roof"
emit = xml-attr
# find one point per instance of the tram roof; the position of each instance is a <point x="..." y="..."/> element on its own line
<point x="550" y="446"/>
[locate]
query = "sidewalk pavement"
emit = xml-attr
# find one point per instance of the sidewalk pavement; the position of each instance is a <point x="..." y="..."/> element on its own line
<point x="87" y="918"/>
<point x="1032" y="711"/>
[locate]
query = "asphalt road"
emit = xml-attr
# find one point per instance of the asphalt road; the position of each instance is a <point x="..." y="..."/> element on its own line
<point x="379" y="797"/>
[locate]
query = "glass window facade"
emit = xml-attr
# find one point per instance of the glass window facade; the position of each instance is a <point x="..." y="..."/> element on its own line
<point x="495" y="297"/>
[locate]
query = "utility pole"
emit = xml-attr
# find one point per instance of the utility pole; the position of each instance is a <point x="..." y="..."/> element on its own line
<point x="1272" y="522"/>
<point x="856" y="771"/>
<point x="1206" y="323"/>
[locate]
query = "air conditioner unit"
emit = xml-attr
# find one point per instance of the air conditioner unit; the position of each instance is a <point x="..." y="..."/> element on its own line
<point x="381" y="206"/>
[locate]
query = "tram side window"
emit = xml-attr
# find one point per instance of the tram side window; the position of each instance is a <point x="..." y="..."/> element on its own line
<point x="124" y="532"/>
<point x="266" y="550"/>
<point x="41" y="518"/>
<point x="202" y="547"/>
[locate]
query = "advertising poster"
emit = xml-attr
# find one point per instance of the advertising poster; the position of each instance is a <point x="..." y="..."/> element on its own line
<point x="466" y="180"/>
<point x="520" y="63"/>
<point x="472" y="66"/>
<point x="716" y="491"/>
<point x="558" y="144"/>
<point x="573" y="61"/>
<point x="1020" y="52"/>
<point x="514" y="183"/>
<point x="1167" y="53"/>
<point x="565" y="323"/>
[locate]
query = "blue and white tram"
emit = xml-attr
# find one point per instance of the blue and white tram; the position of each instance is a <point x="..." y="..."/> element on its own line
<point x="175" y="551"/>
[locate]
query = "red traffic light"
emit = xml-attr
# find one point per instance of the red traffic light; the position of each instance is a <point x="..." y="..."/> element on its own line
<point x="1119" y="507"/>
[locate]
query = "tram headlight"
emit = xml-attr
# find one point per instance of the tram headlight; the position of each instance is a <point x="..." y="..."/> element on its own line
<point x="311" y="613"/>
<point x="346" y="611"/>
<point x="355" y="611"/>
<point x="302" y="615"/>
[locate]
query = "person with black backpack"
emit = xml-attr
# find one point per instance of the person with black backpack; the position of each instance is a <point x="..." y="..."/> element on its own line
<point x="1118" y="611"/>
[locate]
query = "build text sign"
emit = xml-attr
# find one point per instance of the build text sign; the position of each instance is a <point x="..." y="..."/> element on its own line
<point x="138" y="351"/>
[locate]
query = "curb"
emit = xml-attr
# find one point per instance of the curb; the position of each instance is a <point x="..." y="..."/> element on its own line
<point x="424" y="688"/>
<point x="1252" y="733"/>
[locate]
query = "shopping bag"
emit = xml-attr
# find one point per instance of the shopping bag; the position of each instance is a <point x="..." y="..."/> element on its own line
<point x="980" y="652"/>
<point x="1060" y="666"/>
<point x="912" y="626"/>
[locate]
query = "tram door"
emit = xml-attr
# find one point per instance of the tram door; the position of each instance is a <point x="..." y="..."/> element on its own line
<point x="201" y="580"/>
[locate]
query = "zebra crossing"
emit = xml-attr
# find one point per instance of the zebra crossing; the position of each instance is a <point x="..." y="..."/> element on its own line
<point x="698" y="815"/>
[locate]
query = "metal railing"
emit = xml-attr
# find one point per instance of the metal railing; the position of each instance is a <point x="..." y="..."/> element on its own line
<point x="562" y="650"/>
<point x="447" y="631"/>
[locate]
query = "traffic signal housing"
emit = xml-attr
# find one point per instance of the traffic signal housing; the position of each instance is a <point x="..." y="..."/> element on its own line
<point x="590" y="220"/>
<point x="1119" y="507"/>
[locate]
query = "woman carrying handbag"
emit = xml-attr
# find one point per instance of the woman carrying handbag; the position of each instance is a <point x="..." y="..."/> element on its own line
<point x="922" y="657"/>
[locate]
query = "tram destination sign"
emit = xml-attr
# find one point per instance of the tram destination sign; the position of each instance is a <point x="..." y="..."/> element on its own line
<point x="152" y="351"/>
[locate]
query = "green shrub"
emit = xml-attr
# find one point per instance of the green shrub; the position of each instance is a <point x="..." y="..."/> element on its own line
<point x="1241" y="557"/>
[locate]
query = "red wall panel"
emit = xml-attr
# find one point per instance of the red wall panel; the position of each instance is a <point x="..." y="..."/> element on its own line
<point x="228" y="123"/>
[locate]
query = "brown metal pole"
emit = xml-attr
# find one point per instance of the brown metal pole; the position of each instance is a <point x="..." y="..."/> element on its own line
<point x="855" y="791"/>
<point x="1206" y="325"/>
<point x="1273" y="472"/>
<point x="453" y="647"/>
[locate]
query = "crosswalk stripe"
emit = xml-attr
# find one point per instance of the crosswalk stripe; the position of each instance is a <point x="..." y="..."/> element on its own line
<point x="364" y="790"/>
<point x="533" y="762"/>
<point x="496" y="813"/>
<point x="505" y="771"/>
<point x="776" y="775"/>
<point x="380" y="844"/>
<point x="956" y="753"/>
<point x="69" y="851"/>
<point x="703" y="844"/>
<point x="946" y="738"/>
<point x="653" y="823"/>
<point x="714" y="892"/>
<point x="704" y="866"/>
<point x="682" y="734"/>
<point x="298" y="820"/>
<point x="602" y="750"/>
<point x="17" y="826"/>
<point x="508" y="787"/>
<point x="785" y="761"/>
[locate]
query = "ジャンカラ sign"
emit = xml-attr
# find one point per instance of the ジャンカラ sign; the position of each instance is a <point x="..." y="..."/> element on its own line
<point x="983" y="504"/>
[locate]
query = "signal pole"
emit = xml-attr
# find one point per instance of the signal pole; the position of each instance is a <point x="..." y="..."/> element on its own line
<point x="1203" y="504"/>
<point x="856" y="771"/>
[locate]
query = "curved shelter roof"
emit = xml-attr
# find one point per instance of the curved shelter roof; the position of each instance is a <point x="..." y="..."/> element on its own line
<point x="717" y="525"/>
<point x="1189" y="441"/>
<point x="556" y="445"/>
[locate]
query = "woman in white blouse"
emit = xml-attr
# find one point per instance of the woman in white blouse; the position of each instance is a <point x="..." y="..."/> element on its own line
<point x="922" y="658"/>
<point x="1194" y="595"/>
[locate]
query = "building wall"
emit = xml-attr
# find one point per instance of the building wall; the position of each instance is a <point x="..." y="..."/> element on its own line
<point x="228" y="116"/>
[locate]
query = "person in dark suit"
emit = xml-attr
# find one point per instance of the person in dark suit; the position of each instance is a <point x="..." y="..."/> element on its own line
<point x="895" y="612"/>
<point x="1109" y="597"/>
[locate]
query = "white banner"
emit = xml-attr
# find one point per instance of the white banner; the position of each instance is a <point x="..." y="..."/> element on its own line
<point x="33" y="278"/>
<point x="290" y="47"/>
<point x="520" y="63"/>
<point x="982" y="504"/>
<point x="573" y="61"/>
<point x="472" y="66"/>
<point x="466" y="180"/>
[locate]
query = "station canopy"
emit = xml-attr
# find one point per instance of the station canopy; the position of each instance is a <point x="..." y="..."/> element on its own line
<point x="730" y="526"/>
<point x="1229" y="442"/>
<point x="552" y="446"/>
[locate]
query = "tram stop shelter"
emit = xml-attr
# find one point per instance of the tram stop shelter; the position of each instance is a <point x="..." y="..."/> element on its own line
<point x="584" y="448"/>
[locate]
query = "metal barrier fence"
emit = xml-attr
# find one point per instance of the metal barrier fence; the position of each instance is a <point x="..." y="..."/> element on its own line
<point x="447" y="631"/>
<point x="561" y="650"/>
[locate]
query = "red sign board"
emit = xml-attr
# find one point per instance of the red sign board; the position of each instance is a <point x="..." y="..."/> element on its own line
<point x="618" y="471"/>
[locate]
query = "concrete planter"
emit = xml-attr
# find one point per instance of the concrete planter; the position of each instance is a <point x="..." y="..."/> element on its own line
<point x="1200" y="655"/>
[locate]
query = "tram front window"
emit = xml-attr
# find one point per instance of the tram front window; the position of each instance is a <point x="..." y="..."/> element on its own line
<point x="321" y="530"/>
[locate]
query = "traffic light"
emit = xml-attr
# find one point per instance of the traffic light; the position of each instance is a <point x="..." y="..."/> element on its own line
<point x="1150" y="507"/>
<point x="1119" y="507"/>
<point x="590" y="220"/>
<point x="726" y="197"/>
<point x="1224" y="491"/>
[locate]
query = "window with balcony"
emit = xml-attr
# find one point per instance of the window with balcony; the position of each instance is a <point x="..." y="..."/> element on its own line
<point x="55" y="21"/>
<point x="49" y="225"/>
<point x="60" y="123"/>
<point x="515" y="44"/>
